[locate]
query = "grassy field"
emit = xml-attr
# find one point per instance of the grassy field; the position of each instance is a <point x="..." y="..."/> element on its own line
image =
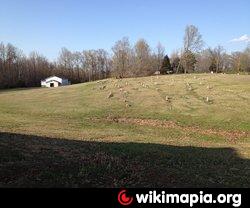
<point x="167" y="131"/>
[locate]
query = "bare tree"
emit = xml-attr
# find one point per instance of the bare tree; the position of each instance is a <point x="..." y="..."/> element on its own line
<point x="236" y="61"/>
<point x="78" y="64"/>
<point x="65" y="59"/>
<point x="103" y="65"/>
<point x="175" y="62"/>
<point x="241" y="60"/>
<point x="192" y="43"/>
<point x="192" y="39"/>
<point x="90" y="63"/>
<point x="160" y="53"/>
<point x="121" y="57"/>
<point x="143" y="65"/>
<point x="245" y="60"/>
<point x="217" y="57"/>
<point x="204" y="61"/>
<point x="37" y="68"/>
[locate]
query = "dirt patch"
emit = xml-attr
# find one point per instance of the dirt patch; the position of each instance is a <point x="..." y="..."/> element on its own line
<point x="230" y="135"/>
<point x="143" y="122"/>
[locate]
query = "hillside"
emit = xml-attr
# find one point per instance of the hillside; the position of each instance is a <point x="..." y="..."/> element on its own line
<point x="170" y="131"/>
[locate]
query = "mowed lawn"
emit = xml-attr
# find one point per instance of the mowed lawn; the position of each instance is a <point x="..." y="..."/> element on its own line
<point x="168" y="131"/>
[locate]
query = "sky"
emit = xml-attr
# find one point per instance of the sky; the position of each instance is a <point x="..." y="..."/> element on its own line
<point x="48" y="25"/>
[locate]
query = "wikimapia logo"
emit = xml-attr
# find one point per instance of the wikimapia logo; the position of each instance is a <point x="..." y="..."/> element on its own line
<point x="152" y="197"/>
<point x="123" y="199"/>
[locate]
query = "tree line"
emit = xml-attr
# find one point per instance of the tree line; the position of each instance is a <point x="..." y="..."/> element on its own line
<point x="125" y="60"/>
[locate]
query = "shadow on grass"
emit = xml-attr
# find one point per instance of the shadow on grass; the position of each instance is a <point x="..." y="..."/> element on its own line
<point x="33" y="161"/>
<point x="4" y="90"/>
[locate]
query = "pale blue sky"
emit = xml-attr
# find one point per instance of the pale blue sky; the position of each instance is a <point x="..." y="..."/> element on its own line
<point x="48" y="25"/>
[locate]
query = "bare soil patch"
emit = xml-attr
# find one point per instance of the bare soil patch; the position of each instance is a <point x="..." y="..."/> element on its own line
<point x="230" y="135"/>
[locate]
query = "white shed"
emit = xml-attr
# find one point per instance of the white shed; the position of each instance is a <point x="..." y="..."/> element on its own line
<point x="54" y="81"/>
<point x="157" y="72"/>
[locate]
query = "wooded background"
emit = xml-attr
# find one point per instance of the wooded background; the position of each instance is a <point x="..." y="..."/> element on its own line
<point x="125" y="60"/>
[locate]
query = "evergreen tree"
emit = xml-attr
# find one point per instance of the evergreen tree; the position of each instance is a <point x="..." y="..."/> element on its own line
<point x="188" y="61"/>
<point x="166" y="66"/>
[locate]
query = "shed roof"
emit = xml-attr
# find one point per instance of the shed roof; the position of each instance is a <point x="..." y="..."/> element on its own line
<point x="54" y="76"/>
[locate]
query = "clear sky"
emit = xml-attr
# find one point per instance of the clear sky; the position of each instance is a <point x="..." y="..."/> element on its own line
<point x="48" y="25"/>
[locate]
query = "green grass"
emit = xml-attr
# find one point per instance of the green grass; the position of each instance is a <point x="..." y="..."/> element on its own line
<point x="75" y="136"/>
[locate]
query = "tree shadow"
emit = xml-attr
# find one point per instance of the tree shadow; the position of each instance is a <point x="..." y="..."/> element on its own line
<point x="34" y="161"/>
<point x="7" y="90"/>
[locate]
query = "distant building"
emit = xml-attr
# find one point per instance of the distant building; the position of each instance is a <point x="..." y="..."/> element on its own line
<point x="54" y="81"/>
<point x="157" y="72"/>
